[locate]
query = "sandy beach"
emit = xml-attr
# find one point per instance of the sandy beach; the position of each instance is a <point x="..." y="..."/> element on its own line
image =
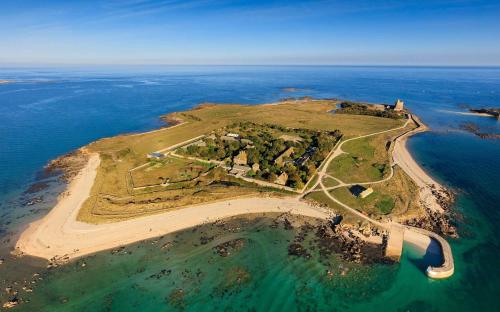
<point x="405" y="161"/>
<point x="59" y="234"/>
<point x="465" y="113"/>
<point x="422" y="242"/>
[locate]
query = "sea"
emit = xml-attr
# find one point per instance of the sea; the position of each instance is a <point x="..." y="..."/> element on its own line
<point x="46" y="112"/>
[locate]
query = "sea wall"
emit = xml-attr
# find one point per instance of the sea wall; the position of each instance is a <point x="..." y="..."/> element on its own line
<point x="447" y="268"/>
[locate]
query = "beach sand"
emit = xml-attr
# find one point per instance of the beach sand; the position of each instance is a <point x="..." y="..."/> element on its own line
<point x="422" y="242"/>
<point x="59" y="234"/>
<point x="405" y="161"/>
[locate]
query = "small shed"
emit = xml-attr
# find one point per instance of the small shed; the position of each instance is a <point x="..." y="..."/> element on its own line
<point x="360" y="191"/>
<point x="366" y="193"/>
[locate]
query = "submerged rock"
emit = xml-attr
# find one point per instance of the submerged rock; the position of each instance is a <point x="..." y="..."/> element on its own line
<point x="296" y="249"/>
<point x="226" y="248"/>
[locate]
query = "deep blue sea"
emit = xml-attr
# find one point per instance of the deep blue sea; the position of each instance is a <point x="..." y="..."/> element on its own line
<point x="47" y="112"/>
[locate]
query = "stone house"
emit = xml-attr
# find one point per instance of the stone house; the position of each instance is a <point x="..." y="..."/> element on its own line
<point x="280" y="159"/>
<point x="255" y="167"/>
<point x="241" y="158"/>
<point x="281" y="179"/>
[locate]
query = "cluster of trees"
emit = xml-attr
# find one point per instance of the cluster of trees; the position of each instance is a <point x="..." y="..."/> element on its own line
<point x="215" y="149"/>
<point x="313" y="147"/>
<point x="354" y="108"/>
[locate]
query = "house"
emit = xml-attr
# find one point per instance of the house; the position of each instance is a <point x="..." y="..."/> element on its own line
<point x="399" y="105"/>
<point x="280" y="159"/>
<point x="305" y="157"/>
<point x="366" y="193"/>
<point x="233" y="135"/>
<point x="239" y="170"/>
<point x="360" y="191"/>
<point x="241" y="158"/>
<point x="156" y="155"/>
<point x="227" y="138"/>
<point x="247" y="141"/>
<point x="255" y="167"/>
<point x="281" y="179"/>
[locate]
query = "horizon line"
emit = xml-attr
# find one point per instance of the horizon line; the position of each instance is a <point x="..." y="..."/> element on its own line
<point x="17" y="65"/>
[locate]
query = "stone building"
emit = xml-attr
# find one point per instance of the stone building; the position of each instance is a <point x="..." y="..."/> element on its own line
<point x="399" y="105"/>
<point x="241" y="158"/>
<point x="281" y="179"/>
<point x="255" y="167"/>
<point x="360" y="191"/>
<point x="366" y="192"/>
<point x="280" y="159"/>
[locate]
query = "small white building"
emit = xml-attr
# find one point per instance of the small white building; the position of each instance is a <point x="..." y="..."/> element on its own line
<point x="156" y="155"/>
<point x="233" y="135"/>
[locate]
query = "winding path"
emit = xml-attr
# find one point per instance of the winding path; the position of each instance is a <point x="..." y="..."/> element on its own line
<point x="447" y="268"/>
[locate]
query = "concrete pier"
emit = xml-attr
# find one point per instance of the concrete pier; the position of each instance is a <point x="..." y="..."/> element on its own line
<point x="447" y="268"/>
<point x="423" y="239"/>
<point x="394" y="246"/>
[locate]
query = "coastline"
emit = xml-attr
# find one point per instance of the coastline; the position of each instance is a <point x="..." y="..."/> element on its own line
<point x="427" y="185"/>
<point x="59" y="235"/>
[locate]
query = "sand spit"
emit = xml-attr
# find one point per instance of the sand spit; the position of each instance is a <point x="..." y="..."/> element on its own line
<point x="60" y="235"/>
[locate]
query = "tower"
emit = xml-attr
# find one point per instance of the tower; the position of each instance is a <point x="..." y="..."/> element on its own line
<point x="398" y="106"/>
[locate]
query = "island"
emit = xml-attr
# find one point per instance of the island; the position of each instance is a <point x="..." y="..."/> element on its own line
<point x="339" y="161"/>
<point x="488" y="112"/>
<point x="3" y="81"/>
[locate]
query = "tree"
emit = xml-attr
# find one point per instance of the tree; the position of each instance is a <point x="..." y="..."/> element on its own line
<point x="193" y="149"/>
<point x="253" y="156"/>
<point x="295" y="181"/>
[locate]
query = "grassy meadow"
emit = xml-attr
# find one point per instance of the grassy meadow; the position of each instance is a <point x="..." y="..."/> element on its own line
<point x="113" y="197"/>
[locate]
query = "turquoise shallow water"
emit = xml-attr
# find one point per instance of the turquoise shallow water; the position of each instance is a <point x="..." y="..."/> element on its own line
<point x="48" y="112"/>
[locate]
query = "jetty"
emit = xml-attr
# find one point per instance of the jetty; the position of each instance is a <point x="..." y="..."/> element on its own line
<point x="447" y="268"/>
<point x="394" y="247"/>
<point x="397" y="233"/>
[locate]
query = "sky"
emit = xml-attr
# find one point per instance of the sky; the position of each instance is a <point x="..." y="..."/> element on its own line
<point x="223" y="32"/>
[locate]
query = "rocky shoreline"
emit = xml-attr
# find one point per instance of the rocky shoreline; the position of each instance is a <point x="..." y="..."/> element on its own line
<point x="313" y="239"/>
<point x="493" y="112"/>
<point x="68" y="165"/>
<point x="441" y="223"/>
<point x="329" y="238"/>
<point x="474" y="129"/>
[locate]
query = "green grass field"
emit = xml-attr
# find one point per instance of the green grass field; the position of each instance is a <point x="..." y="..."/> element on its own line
<point x="112" y="197"/>
<point x="396" y="197"/>
<point x="170" y="170"/>
<point x="366" y="159"/>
